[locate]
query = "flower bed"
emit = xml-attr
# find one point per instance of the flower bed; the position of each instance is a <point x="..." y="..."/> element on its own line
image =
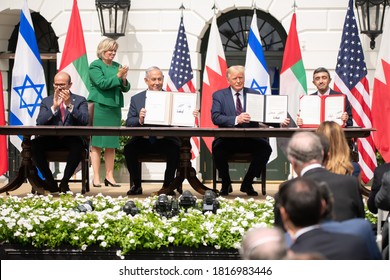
<point x="45" y="222"/>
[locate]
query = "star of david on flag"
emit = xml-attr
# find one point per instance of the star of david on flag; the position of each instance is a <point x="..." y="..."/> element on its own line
<point x="256" y="71"/>
<point x="28" y="78"/>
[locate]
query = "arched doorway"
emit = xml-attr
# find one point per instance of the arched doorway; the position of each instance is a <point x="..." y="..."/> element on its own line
<point x="234" y="28"/>
<point x="48" y="48"/>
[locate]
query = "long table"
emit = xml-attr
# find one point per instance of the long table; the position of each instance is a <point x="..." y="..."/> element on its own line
<point x="185" y="170"/>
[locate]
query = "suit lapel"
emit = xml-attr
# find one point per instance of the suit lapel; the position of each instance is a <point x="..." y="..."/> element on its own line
<point x="230" y="102"/>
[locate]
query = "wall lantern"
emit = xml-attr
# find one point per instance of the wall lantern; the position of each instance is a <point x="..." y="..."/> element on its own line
<point x="113" y="17"/>
<point x="371" y="14"/>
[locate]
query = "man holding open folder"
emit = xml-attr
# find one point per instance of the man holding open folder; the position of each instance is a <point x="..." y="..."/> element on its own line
<point x="229" y="110"/>
<point x="139" y="145"/>
<point x="321" y="79"/>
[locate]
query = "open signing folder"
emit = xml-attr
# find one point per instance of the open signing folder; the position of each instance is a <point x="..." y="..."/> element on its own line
<point x="170" y="108"/>
<point x="314" y="109"/>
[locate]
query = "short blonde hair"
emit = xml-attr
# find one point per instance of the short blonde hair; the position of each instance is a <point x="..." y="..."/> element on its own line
<point x="106" y="45"/>
<point x="235" y="68"/>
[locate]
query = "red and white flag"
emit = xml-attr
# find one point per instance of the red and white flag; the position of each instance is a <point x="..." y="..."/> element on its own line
<point x="74" y="57"/>
<point x="381" y="94"/>
<point x="351" y="79"/>
<point x="3" y="138"/>
<point x="180" y="74"/>
<point x="214" y="78"/>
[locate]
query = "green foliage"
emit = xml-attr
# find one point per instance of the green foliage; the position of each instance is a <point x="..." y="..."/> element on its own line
<point x="48" y="222"/>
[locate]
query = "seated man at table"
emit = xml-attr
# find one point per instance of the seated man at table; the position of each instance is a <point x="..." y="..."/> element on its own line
<point x="322" y="79"/>
<point x="64" y="108"/>
<point x="228" y="110"/>
<point x="138" y="145"/>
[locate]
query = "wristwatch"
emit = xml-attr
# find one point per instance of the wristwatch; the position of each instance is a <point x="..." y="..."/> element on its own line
<point x="70" y="107"/>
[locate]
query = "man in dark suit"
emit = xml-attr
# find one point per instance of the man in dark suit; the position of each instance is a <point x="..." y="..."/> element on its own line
<point x="305" y="152"/>
<point x="139" y="145"/>
<point x="228" y="110"/>
<point x="376" y="186"/>
<point x="301" y="205"/>
<point x="64" y="108"/>
<point x="322" y="79"/>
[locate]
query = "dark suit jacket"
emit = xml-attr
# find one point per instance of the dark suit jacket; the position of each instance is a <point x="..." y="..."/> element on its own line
<point x="382" y="198"/>
<point x="348" y="201"/>
<point x="376" y="186"/>
<point x="347" y="107"/>
<point x="136" y="104"/>
<point x="333" y="246"/>
<point x="78" y="117"/>
<point x="223" y="110"/>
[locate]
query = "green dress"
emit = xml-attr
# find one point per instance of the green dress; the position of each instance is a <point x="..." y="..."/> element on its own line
<point x="106" y="94"/>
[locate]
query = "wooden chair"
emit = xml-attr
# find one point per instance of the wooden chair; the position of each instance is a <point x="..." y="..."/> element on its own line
<point x="60" y="155"/>
<point x="241" y="158"/>
<point x="150" y="157"/>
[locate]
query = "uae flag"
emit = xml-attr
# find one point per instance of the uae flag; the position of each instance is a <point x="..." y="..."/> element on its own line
<point x="74" y="57"/>
<point x="293" y="76"/>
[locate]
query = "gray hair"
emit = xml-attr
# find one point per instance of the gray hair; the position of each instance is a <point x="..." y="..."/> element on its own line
<point x="305" y="147"/>
<point x="263" y="244"/>
<point x="152" y="68"/>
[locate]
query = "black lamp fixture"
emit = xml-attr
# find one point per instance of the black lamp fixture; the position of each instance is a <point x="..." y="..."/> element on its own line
<point x="113" y="17"/>
<point x="371" y="14"/>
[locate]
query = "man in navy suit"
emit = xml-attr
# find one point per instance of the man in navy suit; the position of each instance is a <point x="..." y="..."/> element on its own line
<point x="322" y="79"/>
<point x="228" y="110"/>
<point x="64" y="108"/>
<point x="139" y="145"/>
<point x="301" y="206"/>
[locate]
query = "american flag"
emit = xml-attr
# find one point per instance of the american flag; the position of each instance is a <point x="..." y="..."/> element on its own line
<point x="180" y="74"/>
<point x="351" y="79"/>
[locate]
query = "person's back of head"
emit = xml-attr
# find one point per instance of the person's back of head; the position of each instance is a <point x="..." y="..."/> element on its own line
<point x="300" y="203"/>
<point x="305" y="147"/>
<point x="263" y="244"/>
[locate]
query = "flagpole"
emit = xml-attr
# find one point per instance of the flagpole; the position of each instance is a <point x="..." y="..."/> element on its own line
<point x="214" y="8"/>
<point x="182" y="8"/>
<point x="294" y="6"/>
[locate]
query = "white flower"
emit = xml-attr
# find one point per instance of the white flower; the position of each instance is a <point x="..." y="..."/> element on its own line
<point x="84" y="247"/>
<point x="170" y="239"/>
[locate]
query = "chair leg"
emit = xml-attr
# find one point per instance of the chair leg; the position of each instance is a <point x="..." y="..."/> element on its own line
<point x="215" y="178"/>
<point x="264" y="180"/>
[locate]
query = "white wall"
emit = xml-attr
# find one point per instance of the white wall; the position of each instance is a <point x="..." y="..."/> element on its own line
<point x="152" y="30"/>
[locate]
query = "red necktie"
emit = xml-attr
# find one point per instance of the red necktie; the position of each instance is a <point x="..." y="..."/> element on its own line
<point x="62" y="109"/>
<point x="238" y="104"/>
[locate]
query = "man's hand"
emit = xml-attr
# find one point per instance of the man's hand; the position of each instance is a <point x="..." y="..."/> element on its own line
<point x="243" y="118"/>
<point x="142" y="114"/>
<point x="285" y="123"/>
<point x="299" y="120"/>
<point x="344" y="117"/>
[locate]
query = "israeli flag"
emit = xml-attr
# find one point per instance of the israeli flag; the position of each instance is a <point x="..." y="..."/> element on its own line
<point x="28" y="79"/>
<point x="256" y="71"/>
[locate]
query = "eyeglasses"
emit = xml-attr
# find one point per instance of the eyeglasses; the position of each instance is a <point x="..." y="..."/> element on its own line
<point x="59" y="85"/>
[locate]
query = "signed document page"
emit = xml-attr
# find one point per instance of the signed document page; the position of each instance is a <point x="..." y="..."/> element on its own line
<point x="276" y="108"/>
<point x="157" y="105"/>
<point x="310" y="110"/>
<point x="183" y="106"/>
<point x="334" y="108"/>
<point x="255" y="106"/>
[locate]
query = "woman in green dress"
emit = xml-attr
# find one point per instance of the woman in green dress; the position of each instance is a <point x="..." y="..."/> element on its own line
<point x="108" y="80"/>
